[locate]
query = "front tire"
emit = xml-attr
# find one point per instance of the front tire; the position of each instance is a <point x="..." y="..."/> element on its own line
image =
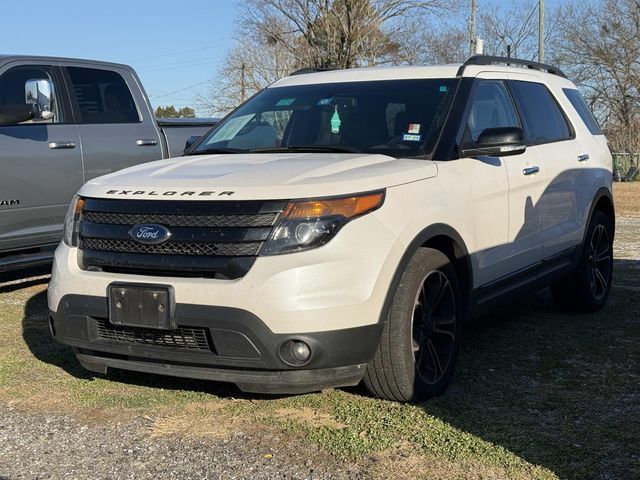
<point x="587" y="288"/>
<point x="419" y="344"/>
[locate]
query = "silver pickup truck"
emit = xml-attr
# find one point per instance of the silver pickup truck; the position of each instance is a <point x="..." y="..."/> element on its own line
<point x="62" y="123"/>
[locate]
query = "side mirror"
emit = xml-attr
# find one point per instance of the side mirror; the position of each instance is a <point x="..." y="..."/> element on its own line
<point x="497" y="142"/>
<point x="39" y="92"/>
<point x="190" y="141"/>
<point x="12" y="114"/>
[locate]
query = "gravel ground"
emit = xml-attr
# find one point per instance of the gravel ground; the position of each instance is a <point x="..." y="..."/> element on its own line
<point x="51" y="446"/>
<point x="627" y="243"/>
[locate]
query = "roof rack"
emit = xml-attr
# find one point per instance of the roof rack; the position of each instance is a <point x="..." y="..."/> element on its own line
<point x="491" y="60"/>
<point x="302" y="71"/>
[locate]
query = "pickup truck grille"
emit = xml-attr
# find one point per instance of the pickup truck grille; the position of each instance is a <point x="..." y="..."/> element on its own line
<point x="214" y="239"/>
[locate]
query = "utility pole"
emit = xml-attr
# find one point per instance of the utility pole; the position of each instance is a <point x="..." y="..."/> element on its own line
<point x="473" y="28"/>
<point x="243" y="86"/>
<point x="541" y="31"/>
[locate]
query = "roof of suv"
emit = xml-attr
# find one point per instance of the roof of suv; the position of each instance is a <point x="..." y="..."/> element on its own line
<point x="413" y="72"/>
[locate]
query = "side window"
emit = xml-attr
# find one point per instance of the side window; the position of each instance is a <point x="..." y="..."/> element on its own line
<point x="41" y="106"/>
<point x="543" y="120"/>
<point x="583" y="110"/>
<point x="491" y="107"/>
<point x="102" y="96"/>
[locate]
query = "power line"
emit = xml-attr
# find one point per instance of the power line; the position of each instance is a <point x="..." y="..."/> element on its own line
<point x="155" y="97"/>
<point x="179" y="52"/>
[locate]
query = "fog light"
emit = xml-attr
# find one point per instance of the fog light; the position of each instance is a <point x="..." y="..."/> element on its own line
<point x="295" y="352"/>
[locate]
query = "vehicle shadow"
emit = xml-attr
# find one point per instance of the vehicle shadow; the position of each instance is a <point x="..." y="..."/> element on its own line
<point x="19" y="279"/>
<point x="553" y="387"/>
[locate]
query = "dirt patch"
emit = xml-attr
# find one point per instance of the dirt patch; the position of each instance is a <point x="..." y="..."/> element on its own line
<point x="197" y="420"/>
<point x="310" y="416"/>
<point x="626" y="196"/>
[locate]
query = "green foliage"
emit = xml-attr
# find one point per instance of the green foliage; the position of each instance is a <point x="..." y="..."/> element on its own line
<point x="171" y="112"/>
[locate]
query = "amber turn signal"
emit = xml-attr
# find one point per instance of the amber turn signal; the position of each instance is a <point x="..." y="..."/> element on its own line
<point x="347" y="207"/>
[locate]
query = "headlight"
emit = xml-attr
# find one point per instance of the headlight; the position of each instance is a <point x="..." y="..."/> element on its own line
<point x="307" y="224"/>
<point x="71" y="222"/>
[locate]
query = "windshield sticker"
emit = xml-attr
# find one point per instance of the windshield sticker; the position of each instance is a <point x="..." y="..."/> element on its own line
<point x="285" y="102"/>
<point x="408" y="137"/>
<point x="325" y="101"/>
<point x="335" y="121"/>
<point x="444" y="89"/>
<point x="414" y="128"/>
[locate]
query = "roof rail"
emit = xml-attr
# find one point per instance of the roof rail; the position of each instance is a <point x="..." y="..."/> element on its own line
<point x="302" y="71"/>
<point x="491" y="60"/>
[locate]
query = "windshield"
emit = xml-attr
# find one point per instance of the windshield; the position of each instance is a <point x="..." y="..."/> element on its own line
<point x="400" y="118"/>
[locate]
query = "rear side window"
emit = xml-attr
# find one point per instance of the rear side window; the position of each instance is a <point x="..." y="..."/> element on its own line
<point x="543" y="120"/>
<point x="102" y="96"/>
<point x="583" y="110"/>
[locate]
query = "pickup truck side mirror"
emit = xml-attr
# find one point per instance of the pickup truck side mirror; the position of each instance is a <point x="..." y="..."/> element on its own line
<point x="190" y="141"/>
<point x="12" y="114"/>
<point x="497" y="142"/>
<point x="39" y="92"/>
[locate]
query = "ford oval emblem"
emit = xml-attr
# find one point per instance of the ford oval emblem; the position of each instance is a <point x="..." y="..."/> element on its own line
<point x="150" y="234"/>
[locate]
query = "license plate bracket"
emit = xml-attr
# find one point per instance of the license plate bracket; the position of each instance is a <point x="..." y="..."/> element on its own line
<point x="142" y="306"/>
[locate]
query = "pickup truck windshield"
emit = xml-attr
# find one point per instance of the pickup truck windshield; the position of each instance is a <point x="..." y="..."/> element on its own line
<point x="399" y="118"/>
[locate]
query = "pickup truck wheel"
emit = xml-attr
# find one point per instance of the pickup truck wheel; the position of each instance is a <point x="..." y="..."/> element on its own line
<point x="420" y="340"/>
<point x="587" y="288"/>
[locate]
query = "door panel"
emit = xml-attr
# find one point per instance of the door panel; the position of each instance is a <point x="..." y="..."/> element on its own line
<point x="37" y="182"/>
<point x="551" y="137"/>
<point x="514" y="208"/>
<point x="113" y="118"/>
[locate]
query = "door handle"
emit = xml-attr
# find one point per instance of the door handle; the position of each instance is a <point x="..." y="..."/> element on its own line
<point x="583" y="158"/>
<point x="530" y="170"/>
<point x="146" y="142"/>
<point x="59" y="145"/>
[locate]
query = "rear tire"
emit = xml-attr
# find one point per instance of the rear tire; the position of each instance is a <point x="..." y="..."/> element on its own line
<point x="419" y="344"/>
<point x="587" y="288"/>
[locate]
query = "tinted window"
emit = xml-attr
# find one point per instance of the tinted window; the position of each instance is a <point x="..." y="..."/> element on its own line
<point x="583" y="110"/>
<point x="12" y="92"/>
<point x="102" y="96"/>
<point x="491" y="107"/>
<point x="400" y="118"/>
<point x="542" y="118"/>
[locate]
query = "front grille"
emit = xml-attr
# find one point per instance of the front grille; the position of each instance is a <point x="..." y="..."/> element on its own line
<point x="184" y="337"/>
<point x="226" y="221"/>
<point x="199" y="249"/>
<point x="215" y="239"/>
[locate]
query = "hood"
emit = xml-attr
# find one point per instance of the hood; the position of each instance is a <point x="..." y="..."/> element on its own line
<point x="260" y="176"/>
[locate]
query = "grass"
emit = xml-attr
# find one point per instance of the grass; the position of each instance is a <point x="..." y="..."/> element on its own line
<point x="538" y="394"/>
<point x="627" y="198"/>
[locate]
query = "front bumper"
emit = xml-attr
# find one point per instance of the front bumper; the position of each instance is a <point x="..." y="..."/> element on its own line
<point x="238" y="347"/>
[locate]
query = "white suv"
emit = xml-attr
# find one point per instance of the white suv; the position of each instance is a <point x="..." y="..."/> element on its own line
<point x="341" y="226"/>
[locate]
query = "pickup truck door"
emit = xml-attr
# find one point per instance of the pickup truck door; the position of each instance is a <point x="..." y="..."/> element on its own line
<point x="40" y="160"/>
<point x="491" y="105"/>
<point x="117" y="128"/>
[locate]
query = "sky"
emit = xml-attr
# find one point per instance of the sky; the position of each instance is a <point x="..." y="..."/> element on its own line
<point x="175" y="46"/>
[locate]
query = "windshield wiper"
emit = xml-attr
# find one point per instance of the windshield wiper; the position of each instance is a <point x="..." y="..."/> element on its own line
<point x="216" y="150"/>
<point x="307" y="148"/>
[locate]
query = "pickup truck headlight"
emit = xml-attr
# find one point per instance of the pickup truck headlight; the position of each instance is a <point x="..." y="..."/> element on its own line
<point x="71" y="222"/>
<point x="307" y="224"/>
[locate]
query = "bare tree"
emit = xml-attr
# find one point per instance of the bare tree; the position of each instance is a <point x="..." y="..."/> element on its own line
<point x="277" y="36"/>
<point x="601" y="50"/>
